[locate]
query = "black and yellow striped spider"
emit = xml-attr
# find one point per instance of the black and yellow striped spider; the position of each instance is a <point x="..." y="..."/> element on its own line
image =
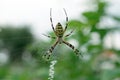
<point x="59" y="32"/>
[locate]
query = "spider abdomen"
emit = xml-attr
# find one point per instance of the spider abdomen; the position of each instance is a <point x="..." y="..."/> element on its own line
<point x="59" y="30"/>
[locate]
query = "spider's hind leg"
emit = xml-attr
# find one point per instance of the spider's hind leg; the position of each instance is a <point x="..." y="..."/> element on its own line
<point x="47" y="55"/>
<point x="49" y="52"/>
<point x="77" y="52"/>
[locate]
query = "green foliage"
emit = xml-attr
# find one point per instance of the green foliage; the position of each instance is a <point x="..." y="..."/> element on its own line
<point x="3" y="72"/>
<point x="110" y="74"/>
<point x="74" y="69"/>
<point x="15" y="41"/>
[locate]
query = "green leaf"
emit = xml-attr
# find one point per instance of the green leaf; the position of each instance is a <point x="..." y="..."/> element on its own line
<point x="110" y="74"/>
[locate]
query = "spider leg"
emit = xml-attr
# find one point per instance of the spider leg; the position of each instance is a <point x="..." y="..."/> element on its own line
<point x="51" y="19"/>
<point x="69" y="33"/>
<point x="49" y="36"/>
<point x="66" y="19"/>
<point x="71" y="46"/>
<point x="49" y="52"/>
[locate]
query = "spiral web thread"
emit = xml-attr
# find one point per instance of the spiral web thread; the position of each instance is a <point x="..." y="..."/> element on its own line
<point x="51" y="70"/>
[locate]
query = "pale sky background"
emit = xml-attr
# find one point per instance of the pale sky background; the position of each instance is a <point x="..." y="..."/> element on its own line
<point x="36" y="12"/>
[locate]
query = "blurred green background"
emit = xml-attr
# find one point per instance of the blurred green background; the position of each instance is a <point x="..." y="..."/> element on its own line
<point x="21" y="53"/>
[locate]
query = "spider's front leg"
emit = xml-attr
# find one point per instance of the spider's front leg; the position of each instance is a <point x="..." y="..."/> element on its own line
<point x="66" y="20"/>
<point x="49" y="36"/>
<point x="71" y="46"/>
<point x="69" y="33"/>
<point x="51" y="20"/>
<point x="49" y="52"/>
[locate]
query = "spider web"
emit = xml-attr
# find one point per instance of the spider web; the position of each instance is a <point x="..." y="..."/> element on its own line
<point x="24" y="50"/>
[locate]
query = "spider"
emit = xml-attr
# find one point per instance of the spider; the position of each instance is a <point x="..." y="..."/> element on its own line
<point x="59" y="32"/>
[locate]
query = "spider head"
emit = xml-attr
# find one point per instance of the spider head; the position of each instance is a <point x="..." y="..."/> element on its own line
<point x="59" y="26"/>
